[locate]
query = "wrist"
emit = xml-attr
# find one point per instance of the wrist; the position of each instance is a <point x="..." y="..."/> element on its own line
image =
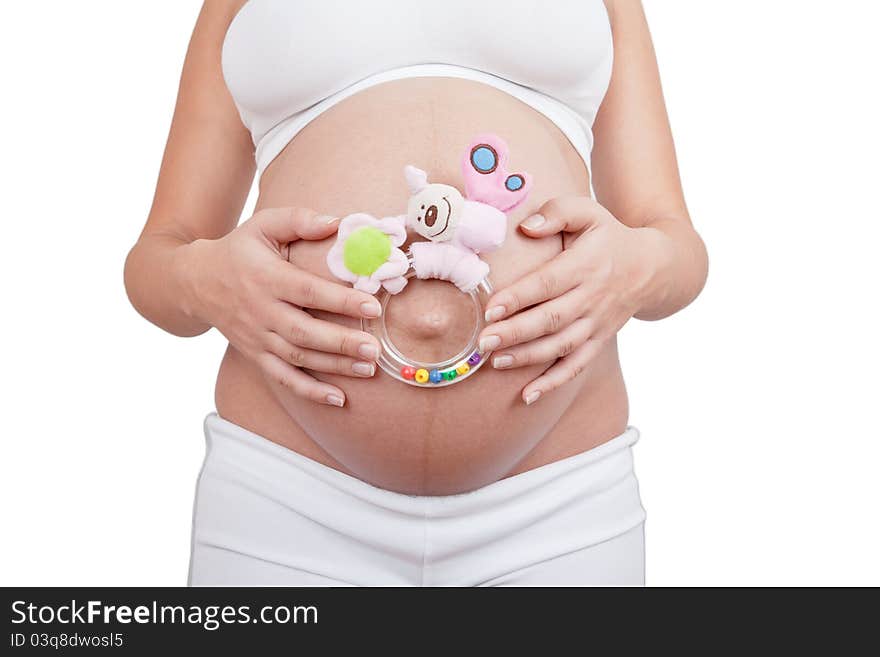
<point x="189" y="267"/>
<point x="655" y="256"/>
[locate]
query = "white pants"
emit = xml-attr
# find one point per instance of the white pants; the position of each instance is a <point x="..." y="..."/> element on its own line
<point x="265" y="515"/>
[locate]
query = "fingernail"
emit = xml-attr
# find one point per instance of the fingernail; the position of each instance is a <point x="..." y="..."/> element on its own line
<point x="532" y="397"/>
<point x="495" y="312"/>
<point x="501" y="362"/>
<point x="363" y="369"/>
<point x="368" y="351"/>
<point x="489" y="343"/>
<point x="328" y="219"/>
<point x="371" y="309"/>
<point x="534" y="222"/>
<point x="335" y="400"/>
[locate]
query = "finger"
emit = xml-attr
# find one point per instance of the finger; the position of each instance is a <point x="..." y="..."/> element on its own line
<point x="545" y="349"/>
<point x="562" y="371"/>
<point x="311" y="291"/>
<point x="318" y="361"/>
<point x="544" y="319"/>
<point x="300" y="328"/>
<point x="300" y="383"/>
<point x="551" y="280"/>
<point x="570" y="214"/>
<point x="283" y="225"/>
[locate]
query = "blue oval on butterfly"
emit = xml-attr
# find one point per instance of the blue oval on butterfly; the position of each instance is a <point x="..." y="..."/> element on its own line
<point x="484" y="159"/>
<point x="514" y="182"/>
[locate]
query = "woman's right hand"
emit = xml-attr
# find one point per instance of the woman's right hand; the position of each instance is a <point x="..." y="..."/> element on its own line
<point x="244" y="285"/>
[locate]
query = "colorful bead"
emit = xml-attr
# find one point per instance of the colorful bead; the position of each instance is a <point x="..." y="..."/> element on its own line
<point x="422" y="375"/>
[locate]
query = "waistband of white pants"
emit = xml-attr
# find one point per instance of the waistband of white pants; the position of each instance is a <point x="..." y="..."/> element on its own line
<point x="589" y="473"/>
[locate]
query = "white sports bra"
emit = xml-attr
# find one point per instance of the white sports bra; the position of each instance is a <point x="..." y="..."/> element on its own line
<point x="287" y="61"/>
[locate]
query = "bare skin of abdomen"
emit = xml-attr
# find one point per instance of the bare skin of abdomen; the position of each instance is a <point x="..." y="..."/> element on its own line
<point x="389" y="434"/>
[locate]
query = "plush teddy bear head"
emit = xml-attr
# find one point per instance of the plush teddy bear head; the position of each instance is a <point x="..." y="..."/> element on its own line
<point x="434" y="210"/>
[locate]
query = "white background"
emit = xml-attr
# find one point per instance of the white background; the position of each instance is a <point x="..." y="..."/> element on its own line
<point x="757" y="405"/>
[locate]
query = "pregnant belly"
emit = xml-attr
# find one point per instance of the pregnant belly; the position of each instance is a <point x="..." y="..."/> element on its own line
<point x="395" y="436"/>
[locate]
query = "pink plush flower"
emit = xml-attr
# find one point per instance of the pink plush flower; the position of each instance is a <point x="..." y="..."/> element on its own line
<point x="367" y="253"/>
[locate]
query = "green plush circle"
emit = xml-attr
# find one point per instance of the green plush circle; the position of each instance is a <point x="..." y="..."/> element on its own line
<point x="366" y="249"/>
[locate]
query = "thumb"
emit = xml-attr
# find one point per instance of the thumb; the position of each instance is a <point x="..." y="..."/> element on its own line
<point x="569" y="214"/>
<point x="284" y="225"/>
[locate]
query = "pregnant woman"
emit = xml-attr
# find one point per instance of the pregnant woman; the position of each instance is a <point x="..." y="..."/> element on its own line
<point x="322" y="469"/>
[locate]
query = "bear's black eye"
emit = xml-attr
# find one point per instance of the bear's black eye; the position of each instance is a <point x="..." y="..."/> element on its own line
<point x="431" y="216"/>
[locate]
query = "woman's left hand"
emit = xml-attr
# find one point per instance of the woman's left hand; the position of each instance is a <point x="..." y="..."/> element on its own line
<point x="571" y="306"/>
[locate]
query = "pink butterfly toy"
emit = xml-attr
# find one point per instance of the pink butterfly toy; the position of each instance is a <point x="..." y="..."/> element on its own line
<point x="458" y="228"/>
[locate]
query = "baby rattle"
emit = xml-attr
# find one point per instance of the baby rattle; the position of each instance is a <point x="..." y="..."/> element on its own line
<point x="368" y="254"/>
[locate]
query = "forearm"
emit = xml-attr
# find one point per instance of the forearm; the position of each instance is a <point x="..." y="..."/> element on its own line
<point x="677" y="263"/>
<point x="159" y="277"/>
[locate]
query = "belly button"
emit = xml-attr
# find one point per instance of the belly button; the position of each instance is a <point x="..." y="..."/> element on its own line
<point x="430" y="314"/>
<point x="429" y="324"/>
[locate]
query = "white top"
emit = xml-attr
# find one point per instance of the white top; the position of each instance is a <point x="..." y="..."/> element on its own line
<point x="287" y="61"/>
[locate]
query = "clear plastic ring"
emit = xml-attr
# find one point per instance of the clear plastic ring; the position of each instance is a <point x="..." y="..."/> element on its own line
<point x="425" y="374"/>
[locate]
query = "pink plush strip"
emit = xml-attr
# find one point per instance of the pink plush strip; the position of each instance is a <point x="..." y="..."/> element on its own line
<point x="449" y="262"/>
